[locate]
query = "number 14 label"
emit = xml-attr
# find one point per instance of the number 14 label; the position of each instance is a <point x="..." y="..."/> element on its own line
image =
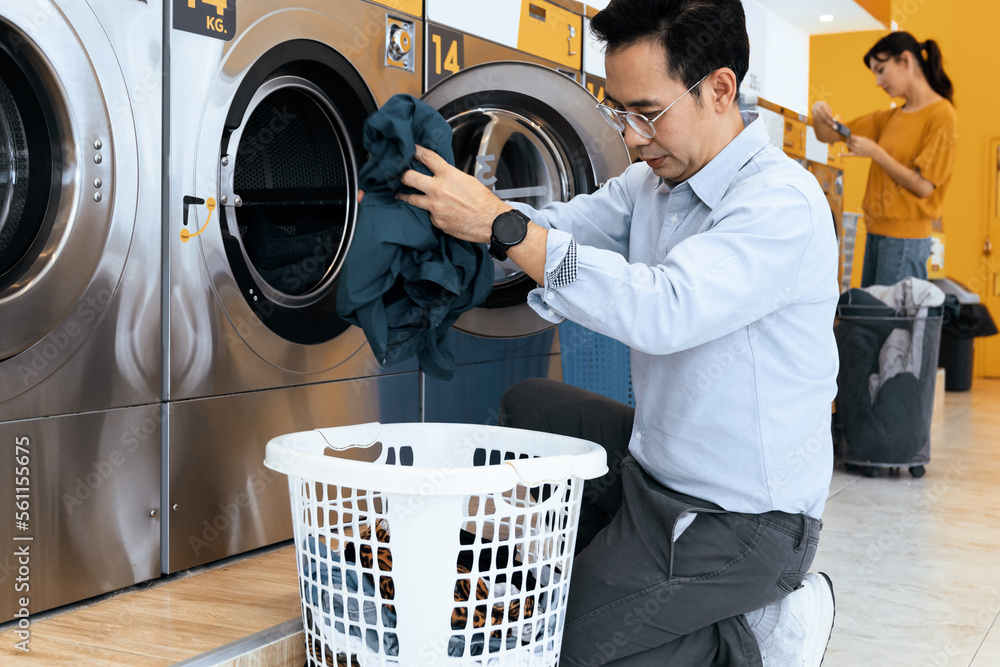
<point x="220" y="5"/>
<point x="211" y="18"/>
<point x="445" y="54"/>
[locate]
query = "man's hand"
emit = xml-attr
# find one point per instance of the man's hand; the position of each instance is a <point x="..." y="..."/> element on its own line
<point x="458" y="204"/>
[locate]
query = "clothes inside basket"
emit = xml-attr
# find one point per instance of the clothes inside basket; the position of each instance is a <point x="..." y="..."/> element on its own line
<point x="330" y="609"/>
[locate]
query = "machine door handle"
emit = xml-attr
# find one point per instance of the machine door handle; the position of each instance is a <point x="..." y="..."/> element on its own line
<point x="572" y="34"/>
<point x="988" y="247"/>
<point x="188" y="201"/>
<point x="400" y="42"/>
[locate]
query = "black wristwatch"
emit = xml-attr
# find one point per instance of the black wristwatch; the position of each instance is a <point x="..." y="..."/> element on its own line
<point x="509" y="229"/>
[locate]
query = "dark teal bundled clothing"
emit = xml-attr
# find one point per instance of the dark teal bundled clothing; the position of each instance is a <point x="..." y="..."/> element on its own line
<point x="404" y="282"/>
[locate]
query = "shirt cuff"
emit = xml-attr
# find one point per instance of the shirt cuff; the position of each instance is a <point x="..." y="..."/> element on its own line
<point x="560" y="259"/>
<point x="565" y="273"/>
<point x="560" y="271"/>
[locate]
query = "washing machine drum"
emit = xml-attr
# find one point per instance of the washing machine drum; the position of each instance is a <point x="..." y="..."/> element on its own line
<point x="293" y="219"/>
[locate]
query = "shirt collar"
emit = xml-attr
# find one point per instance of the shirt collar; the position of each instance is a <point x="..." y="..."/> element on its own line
<point x="713" y="180"/>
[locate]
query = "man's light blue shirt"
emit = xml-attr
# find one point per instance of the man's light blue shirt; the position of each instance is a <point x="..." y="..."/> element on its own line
<point x="725" y="287"/>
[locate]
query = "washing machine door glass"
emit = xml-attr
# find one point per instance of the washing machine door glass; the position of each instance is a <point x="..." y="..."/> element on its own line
<point x="520" y="161"/>
<point x="292" y="188"/>
<point x="25" y="169"/>
<point x="13" y="165"/>
<point x="522" y="153"/>
<point x="532" y="135"/>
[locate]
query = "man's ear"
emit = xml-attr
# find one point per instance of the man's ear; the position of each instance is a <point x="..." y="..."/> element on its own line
<point x="721" y="89"/>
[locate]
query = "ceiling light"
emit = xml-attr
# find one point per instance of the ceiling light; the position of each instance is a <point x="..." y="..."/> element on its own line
<point x="826" y="18"/>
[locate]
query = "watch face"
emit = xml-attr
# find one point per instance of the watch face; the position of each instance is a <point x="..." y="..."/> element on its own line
<point x="510" y="228"/>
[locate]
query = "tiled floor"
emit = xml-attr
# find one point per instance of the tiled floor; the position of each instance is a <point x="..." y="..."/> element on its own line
<point x="915" y="564"/>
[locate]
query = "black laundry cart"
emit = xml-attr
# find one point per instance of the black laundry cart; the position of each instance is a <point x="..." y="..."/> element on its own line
<point x="885" y="398"/>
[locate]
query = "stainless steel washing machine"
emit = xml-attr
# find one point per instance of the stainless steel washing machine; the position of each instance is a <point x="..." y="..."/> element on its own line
<point x="266" y="107"/>
<point x="80" y="327"/>
<point x="526" y="128"/>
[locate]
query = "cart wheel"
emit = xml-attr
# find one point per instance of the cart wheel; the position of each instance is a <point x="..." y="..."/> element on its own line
<point x="850" y="467"/>
<point x="917" y="471"/>
<point x="871" y="471"/>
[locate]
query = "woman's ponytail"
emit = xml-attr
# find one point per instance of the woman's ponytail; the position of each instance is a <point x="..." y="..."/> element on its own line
<point x="933" y="68"/>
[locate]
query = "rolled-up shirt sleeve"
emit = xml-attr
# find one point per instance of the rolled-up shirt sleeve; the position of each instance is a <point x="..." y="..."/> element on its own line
<point x="744" y="266"/>
<point x="565" y="273"/>
<point x="560" y="271"/>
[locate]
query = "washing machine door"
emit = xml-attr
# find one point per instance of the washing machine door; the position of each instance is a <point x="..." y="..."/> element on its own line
<point x="289" y="186"/>
<point x="65" y="220"/>
<point x="532" y="135"/>
<point x="280" y="144"/>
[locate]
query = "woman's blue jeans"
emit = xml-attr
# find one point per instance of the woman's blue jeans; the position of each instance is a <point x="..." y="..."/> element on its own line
<point x="889" y="260"/>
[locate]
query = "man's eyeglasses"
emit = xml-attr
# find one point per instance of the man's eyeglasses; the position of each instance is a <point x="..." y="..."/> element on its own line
<point x="641" y="124"/>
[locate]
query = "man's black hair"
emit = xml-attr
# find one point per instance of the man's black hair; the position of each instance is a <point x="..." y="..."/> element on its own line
<point x="698" y="36"/>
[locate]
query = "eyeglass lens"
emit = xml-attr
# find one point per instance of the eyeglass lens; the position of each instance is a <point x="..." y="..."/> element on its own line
<point x="638" y="122"/>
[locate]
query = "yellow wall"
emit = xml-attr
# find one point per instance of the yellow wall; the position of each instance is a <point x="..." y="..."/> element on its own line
<point x="967" y="39"/>
<point x="880" y="9"/>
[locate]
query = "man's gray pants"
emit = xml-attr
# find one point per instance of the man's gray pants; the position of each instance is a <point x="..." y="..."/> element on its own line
<point x="637" y="597"/>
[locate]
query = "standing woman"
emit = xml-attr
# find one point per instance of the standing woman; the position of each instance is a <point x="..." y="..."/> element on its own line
<point x="912" y="150"/>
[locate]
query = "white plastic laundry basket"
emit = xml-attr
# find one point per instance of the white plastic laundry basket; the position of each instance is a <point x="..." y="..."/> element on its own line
<point x="434" y="544"/>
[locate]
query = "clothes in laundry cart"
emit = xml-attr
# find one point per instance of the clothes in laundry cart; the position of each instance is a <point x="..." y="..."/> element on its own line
<point x="902" y="351"/>
<point x="887" y="337"/>
<point x="908" y="296"/>
<point x="404" y="282"/>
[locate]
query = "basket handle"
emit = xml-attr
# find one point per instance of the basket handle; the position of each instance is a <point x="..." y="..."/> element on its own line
<point x="348" y="437"/>
<point x="537" y="471"/>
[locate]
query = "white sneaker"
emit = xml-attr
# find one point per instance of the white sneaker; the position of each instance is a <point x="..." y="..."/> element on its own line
<point x="805" y="623"/>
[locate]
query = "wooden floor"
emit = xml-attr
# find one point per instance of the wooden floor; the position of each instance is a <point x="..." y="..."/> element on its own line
<point x="915" y="564"/>
<point x="170" y="621"/>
